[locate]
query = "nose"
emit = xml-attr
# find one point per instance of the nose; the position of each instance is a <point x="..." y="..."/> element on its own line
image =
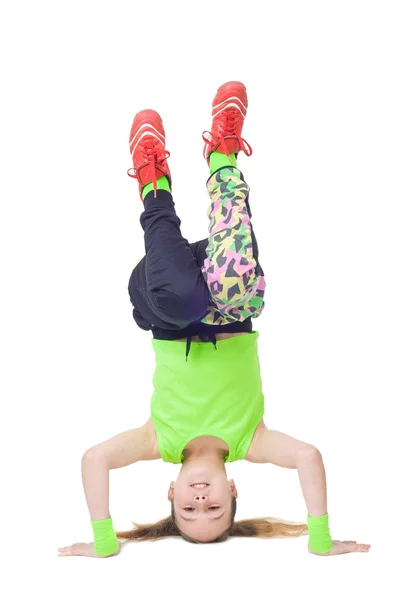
<point x="200" y="498"/>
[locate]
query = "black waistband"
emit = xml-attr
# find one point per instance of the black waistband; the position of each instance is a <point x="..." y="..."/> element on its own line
<point x="202" y="329"/>
<point x="205" y="332"/>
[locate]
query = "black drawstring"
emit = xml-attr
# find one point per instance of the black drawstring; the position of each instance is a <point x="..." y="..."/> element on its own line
<point x="188" y="342"/>
<point x="211" y="338"/>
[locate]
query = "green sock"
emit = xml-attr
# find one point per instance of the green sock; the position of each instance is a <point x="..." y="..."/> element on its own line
<point x="162" y="184"/>
<point x="219" y="159"/>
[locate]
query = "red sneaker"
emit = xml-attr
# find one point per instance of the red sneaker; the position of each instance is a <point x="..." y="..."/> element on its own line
<point x="229" y="109"/>
<point x="147" y="146"/>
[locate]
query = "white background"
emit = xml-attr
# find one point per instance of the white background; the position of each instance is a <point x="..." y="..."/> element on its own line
<point x="323" y="86"/>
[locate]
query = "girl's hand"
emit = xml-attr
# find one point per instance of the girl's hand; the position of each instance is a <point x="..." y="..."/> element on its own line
<point x="84" y="550"/>
<point x="344" y="548"/>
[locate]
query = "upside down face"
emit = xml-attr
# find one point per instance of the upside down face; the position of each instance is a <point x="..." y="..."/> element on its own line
<point x="202" y="499"/>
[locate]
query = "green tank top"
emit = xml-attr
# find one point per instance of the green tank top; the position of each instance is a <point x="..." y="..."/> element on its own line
<point x="216" y="392"/>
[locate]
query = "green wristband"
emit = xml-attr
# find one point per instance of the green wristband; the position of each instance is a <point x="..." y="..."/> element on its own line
<point x="105" y="539"/>
<point x="320" y="540"/>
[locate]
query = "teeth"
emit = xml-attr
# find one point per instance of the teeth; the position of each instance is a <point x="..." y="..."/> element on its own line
<point x="199" y="485"/>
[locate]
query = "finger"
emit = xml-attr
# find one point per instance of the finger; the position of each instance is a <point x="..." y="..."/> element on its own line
<point x="363" y="547"/>
<point x="80" y="547"/>
<point x="349" y="542"/>
<point x="354" y="547"/>
<point x="72" y="552"/>
<point x="350" y="546"/>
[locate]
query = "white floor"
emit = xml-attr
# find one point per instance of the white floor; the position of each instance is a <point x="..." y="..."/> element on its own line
<point x="237" y="569"/>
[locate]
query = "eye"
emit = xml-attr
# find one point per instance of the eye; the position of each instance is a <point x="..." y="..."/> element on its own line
<point x="188" y="508"/>
<point x="214" y="507"/>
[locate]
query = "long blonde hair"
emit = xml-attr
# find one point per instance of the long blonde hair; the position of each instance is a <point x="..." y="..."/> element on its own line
<point x="262" y="528"/>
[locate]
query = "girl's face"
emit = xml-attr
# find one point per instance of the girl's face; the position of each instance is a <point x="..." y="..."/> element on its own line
<point x="202" y="497"/>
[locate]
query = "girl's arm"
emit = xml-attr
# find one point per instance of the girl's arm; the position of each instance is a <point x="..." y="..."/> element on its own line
<point x="119" y="451"/>
<point x="284" y="451"/>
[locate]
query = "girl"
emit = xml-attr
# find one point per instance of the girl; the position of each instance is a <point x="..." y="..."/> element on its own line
<point x="207" y="407"/>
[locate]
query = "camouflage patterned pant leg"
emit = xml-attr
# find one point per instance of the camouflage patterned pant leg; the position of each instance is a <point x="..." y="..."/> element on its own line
<point x="229" y="269"/>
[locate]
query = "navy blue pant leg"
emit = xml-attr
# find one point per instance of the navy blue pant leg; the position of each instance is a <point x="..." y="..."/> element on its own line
<point x="167" y="287"/>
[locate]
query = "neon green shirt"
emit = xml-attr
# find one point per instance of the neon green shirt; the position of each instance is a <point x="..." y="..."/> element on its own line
<point x="217" y="392"/>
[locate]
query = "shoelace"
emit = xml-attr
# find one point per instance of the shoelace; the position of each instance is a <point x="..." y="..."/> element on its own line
<point x="152" y="154"/>
<point x="227" y="123"/>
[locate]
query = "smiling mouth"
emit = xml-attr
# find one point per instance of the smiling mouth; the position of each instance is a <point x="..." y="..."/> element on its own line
<point x="199" y="486"/>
